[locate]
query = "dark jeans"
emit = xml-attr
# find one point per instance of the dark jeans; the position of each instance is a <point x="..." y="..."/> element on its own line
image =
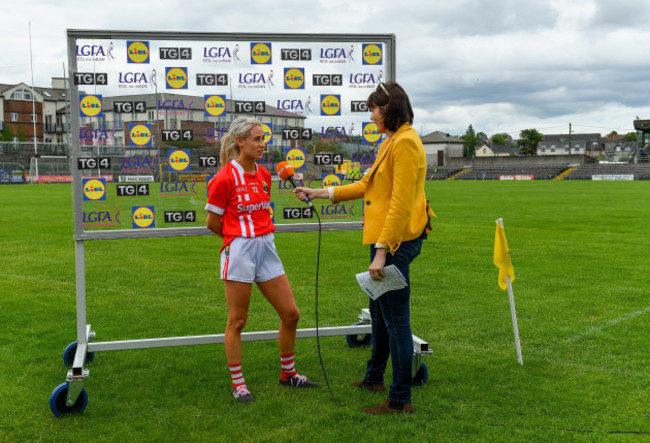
<point x="391" y="328"/>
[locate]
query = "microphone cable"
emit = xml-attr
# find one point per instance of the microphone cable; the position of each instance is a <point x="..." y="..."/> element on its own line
<point x="320" y="356"/>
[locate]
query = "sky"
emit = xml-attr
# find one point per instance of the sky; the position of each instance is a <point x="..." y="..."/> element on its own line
<point x="499" y="65"/>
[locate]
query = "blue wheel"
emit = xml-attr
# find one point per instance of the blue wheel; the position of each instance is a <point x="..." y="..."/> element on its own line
<point x="71" y="351"/>
<point x="421" y="376"/>
<point x="355" y="341"/>
<point x="58" y="401"/>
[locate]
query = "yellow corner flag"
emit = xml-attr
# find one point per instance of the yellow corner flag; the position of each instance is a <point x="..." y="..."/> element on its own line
<point x="502" y="256"/>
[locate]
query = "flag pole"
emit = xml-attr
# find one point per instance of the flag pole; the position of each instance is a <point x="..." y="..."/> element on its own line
<point x="513" y="312"/>
<point x="514" y="320"/>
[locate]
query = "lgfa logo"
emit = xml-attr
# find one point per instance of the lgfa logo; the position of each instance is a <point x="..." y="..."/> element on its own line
<point x="370" y="132"/>
<point x="296" y="157"/>
<point x="140" y="135"/>
<point x="294" y="78"/>
<point x="90" y="106"/>
<point x="268" y="133"/>
<point x="137" y="52"/>
<point x="328" y="180"/>
<point x="179" y="160"/>
<point x="330" y="104"/>
<point x="215" y="105"/>
<point x="143" y="217"/>
<point x="94" y="189"/>
<point x="261" y="53"/>
<point x="372" y="54"/>
<point x="176" y="78"/>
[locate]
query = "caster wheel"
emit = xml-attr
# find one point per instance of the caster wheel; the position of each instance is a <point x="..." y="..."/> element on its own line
<point x="58" y="401"/>
<point x="71" y="351"/>
<point x="354" y="341"/>
<point x="421" y="376"/>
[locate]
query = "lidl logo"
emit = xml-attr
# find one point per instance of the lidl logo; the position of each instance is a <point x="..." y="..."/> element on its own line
<point x="330" y="104"/>
<point x="215" y="105"/>
<point x="140" y="135"/>
<point x="260" y="53"/>
<point x="90" y="106"/>
<point x="208" y="179"/>
<point x="296" y="157"/>
<point x="372" y="54"/>
<point x="176" y="78"/>
<point x="370" y="132"/>
<point x="94" y="189"/>
<point x="272" y="212"/>
<point x="328" y="180"/>
<point x="268" y="133"/>
<point x="294" y="78"/>
<point x="143" y="217"/>
<point x="137" y="52"/>
<point x="179" y="160"/>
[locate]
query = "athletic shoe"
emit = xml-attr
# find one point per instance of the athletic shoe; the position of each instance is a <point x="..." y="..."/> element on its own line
<point x="242" y="395"/>
<point x="363" y="384"/>
<point x="298" y="381"/>
<point x="385" y="408"/>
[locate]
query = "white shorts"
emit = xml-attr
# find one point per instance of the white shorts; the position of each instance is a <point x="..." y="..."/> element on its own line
<point x="249" y="260"/>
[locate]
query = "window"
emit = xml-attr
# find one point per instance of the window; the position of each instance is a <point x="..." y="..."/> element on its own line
<point x="21" y="94"/>
<point x="14" y="116"/>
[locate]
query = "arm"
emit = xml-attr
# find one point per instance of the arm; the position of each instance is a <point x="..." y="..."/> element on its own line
<point x="214" y="223"/>
<point x="302" y="192"/>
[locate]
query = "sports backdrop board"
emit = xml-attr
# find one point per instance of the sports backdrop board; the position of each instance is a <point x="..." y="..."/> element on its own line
<point x="148" y="110"/>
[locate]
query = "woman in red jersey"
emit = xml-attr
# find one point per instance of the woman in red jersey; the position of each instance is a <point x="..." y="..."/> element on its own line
<point x="238" y="211"/>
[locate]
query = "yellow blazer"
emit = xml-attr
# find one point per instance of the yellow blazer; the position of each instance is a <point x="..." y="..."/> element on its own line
<point x="393" y="191"/>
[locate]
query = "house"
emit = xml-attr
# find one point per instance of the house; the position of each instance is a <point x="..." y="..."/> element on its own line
<point x="32" y="114"/>
<point x="497" y="150"/>
<point x="440" y="146"/>
<point x="571" y="144"/>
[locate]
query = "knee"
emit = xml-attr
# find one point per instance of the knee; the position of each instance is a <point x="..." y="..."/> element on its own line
<point x="236" y="323"/>
<point x="291" y="318"/>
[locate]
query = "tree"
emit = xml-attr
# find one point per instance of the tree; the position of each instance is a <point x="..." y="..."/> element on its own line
<point x="528" y="141"/>
<point x="630" y="137"/>
<point x="498" y="139"/>
<point x="471" y="141"/>
<point x="481" y="136"/>
<point x="7" y="135"/>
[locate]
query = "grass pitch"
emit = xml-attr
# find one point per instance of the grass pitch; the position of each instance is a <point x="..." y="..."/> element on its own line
<point x="580" y="256"/>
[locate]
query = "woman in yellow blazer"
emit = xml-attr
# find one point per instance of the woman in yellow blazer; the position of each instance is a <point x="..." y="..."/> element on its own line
<point x="395" y="219"/>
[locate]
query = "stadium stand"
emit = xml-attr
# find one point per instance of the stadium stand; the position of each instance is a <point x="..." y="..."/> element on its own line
<point x="641" y="171"/>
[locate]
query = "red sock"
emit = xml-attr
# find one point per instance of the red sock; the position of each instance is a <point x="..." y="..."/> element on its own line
<point x="288" y="366"/>
<point x="237" y="376"/>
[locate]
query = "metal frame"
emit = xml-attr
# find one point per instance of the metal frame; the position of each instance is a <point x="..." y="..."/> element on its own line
<point x="79" y="373"/>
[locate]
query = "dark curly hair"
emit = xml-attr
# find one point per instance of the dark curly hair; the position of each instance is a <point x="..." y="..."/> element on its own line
<point x="398" y="111"/>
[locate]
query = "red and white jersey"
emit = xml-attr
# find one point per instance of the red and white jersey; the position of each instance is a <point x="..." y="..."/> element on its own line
<point x="243" y="200"/>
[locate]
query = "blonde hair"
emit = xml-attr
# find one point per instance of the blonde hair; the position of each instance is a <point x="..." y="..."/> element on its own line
<point x="240" y="127"/>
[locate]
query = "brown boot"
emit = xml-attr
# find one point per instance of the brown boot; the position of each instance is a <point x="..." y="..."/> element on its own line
<point x="363" y="384"/>
<point x="383" y="408"/>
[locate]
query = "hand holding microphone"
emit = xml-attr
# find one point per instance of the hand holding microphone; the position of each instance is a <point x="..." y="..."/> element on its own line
<point x="286" y="173"/>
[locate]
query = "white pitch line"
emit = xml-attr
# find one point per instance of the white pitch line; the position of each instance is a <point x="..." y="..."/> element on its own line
<point x="596" y="329"/>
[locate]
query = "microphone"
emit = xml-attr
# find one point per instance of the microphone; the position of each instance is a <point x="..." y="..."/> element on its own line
<point x="285" y="172"/>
